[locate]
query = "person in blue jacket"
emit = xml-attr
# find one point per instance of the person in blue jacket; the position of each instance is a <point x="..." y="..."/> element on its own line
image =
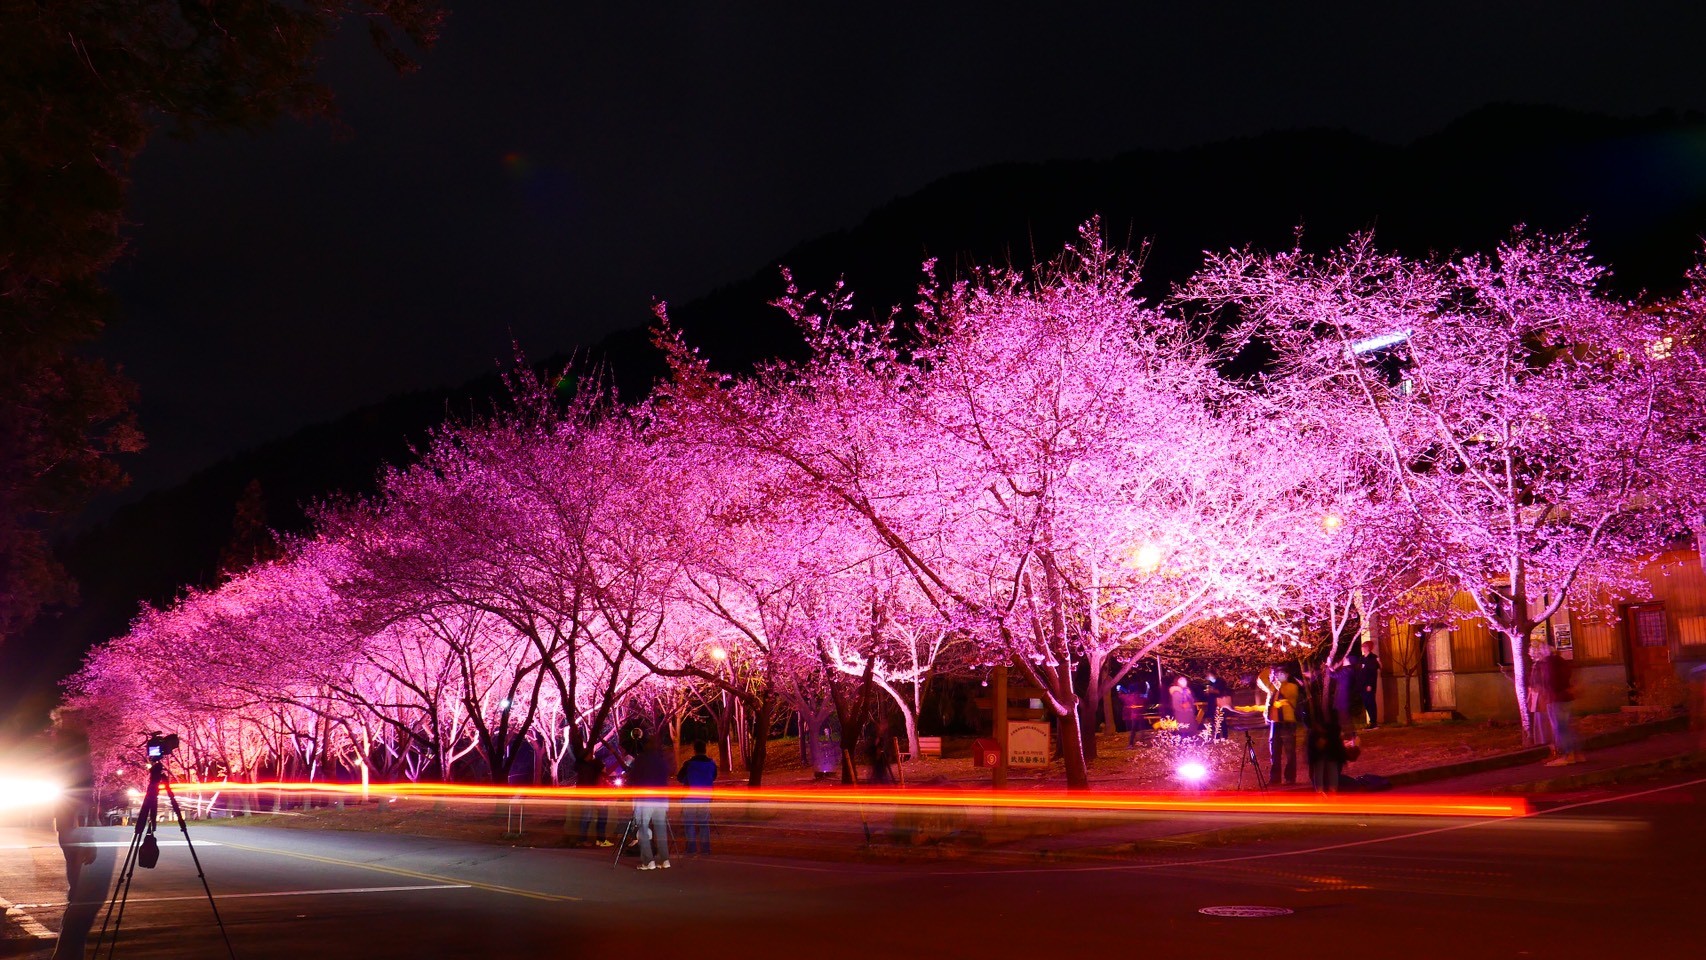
<point x="698" y="773"/>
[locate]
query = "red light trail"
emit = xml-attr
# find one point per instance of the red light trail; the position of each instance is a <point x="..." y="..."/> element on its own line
<point x="1053" y="800"/>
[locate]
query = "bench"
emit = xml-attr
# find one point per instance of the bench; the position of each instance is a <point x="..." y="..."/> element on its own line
<point x="927" y="747"/>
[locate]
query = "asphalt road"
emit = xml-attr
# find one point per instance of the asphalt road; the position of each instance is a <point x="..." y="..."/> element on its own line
<point x="1614" y="872"/>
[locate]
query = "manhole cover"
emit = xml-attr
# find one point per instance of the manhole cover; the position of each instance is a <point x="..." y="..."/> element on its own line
<point x="1245" y="911"/>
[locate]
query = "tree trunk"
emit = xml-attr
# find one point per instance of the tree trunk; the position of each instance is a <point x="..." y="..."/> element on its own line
<point x="1087" y="727"/>
<point x="1519" y="678"/>
<point x="1072" y="750"/>
<point x="908" y="716"/>
<point x="852" y="718"/>
<point x="760" y="740"/>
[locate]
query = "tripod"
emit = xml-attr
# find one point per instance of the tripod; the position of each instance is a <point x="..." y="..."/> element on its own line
<point x="1251" y="760"/>
<point x="145" y="852"/>
<point x="632" y="827"/>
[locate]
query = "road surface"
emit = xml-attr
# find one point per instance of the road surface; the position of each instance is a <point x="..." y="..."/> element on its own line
<point x="1612" y="872"/>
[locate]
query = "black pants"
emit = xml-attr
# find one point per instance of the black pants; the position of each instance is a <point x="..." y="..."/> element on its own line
<point x="591" y="812"/>
<point x="1282" y="745"/>
<point x="1370" y="706"/>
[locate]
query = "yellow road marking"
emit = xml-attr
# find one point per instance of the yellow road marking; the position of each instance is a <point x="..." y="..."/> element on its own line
<point x="401" y="872"/>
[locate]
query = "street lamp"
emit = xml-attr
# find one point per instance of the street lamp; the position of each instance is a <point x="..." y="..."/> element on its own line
<point x="1148" y="558"/>
<point x="726" y="741"/>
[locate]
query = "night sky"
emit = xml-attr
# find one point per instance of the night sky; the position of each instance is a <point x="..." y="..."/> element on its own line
<point x="554" y="166"/>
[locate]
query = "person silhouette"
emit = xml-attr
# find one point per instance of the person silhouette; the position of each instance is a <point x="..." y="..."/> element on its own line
<point x="88" y="868"/>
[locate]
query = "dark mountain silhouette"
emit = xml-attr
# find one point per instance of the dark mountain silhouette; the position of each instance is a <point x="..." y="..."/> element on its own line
<point x="1639" y="185"/>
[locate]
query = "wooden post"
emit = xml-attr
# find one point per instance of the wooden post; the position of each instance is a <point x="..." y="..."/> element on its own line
<point x="1000" y="694"/>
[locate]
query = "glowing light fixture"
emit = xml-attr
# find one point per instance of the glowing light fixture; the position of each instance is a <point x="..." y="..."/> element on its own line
<point x="27" y="793"/>
<point x="1381" y="342"/>
<point x="718" y="653"/>
<point x="1148" y="558"/>
<point x="1332" y="522"/>
<point x="1192" y="772"/>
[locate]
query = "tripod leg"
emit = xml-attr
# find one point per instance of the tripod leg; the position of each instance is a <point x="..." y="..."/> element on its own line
<point x="178" y="812"/>
<point x="114" y="915"/>
<point x="623" y="845"/>
<point x="146" y="815"/>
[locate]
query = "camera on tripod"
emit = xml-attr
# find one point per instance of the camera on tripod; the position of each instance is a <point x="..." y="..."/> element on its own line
<point x="145" y="848"/>
<point x="160" y="746"/>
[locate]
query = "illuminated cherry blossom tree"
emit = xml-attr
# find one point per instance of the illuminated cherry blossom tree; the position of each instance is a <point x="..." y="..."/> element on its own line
<point x="1503" y="398"/>
<point x="1056" y="466"/>
<point x="1677" y="355"/>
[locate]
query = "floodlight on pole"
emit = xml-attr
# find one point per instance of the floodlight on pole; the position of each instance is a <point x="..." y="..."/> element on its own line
<point x="1381" y="342"/>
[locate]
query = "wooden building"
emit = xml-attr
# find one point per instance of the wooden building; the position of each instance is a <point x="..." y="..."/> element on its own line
<point x="1637" y="655"/>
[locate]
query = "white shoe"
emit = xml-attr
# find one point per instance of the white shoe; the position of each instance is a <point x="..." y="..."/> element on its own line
<point x="664" y="865"/>
<point x="647" y="866"/>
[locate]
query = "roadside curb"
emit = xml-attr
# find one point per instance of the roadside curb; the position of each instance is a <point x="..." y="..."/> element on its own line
<point x="1634" y="732"/>
<point x="1527" y="755"/>
<point x="1497" y="761"/>
<point x="1593" y="778"/>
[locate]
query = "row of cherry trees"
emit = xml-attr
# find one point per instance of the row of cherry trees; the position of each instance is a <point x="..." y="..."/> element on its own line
<point x="1036" y="469"/>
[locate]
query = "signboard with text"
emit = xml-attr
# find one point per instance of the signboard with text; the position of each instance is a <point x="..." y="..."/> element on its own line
<point x="1027" y="743"/>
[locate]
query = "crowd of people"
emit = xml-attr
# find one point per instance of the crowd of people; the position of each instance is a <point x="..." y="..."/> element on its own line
<point x="1327" y="706"/>
<point x="651" y="766"/>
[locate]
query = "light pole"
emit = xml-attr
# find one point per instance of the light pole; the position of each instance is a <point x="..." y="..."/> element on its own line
<point x="726" y="741"/>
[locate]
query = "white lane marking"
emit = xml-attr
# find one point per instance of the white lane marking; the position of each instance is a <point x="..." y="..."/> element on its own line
<point x="104" y="843"/>
<point x="15" y="913"/>
<point x="280" y="893"/>
<point x="1326" y="848"/>
<point x="163" y="843"/>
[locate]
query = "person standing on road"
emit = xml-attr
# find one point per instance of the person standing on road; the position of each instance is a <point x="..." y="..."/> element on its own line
<point x="87" y="868"/>
<point x="589" y="772"/>
<point x="1365" y="671"/>
<point x="1561" y="705"/>
<point x="698" y="773"/>
<point x="1281" y="711"/>
<point x="1326" y="748"/>
<point x="651" y="813"/>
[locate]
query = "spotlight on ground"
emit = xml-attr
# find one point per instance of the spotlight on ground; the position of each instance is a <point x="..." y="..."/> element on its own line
<point x="1192" y="772"/>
